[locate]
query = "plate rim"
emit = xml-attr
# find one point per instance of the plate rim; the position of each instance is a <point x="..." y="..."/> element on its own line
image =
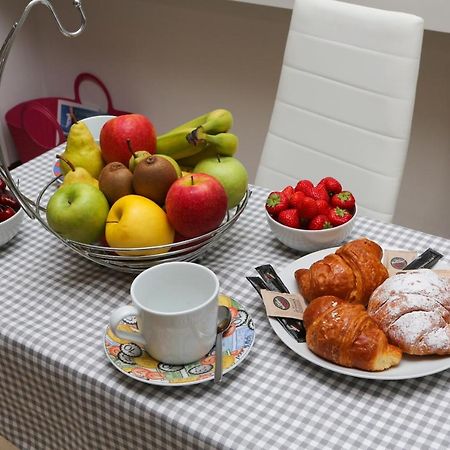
<point x="187" y="383"/>
<point x="303" y="351"/>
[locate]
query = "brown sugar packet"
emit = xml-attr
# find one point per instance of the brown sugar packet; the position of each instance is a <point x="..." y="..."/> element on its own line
<point x="274" y="283"/>
<point x="396" y="260"/>
<point x="292" y="326"/>
<point x="279" y="304"/>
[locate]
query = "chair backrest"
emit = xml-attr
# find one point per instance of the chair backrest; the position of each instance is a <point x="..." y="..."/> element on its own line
<point x="345" y="101"/>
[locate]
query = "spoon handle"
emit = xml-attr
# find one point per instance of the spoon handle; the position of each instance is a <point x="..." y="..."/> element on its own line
<point x="218" y="366"/>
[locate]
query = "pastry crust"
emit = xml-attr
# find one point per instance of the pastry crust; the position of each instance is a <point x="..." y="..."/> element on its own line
<point x="413" y="309"/>
<point x="344" y="333"/>
<point x="351" y="273"/>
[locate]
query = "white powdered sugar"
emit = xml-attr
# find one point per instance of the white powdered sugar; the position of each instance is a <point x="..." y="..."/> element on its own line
<point x="413" y="309"/>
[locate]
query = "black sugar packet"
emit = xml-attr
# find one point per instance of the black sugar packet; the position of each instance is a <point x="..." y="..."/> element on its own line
<point x="271" y="281"/>
<point x="425" y="261"/>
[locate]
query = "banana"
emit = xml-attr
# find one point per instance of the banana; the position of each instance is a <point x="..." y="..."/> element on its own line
<point x="187" y="139"/>
<point x="176" y="145"/>
<point x="216" y="121"/>
<point x="224" y="144"/>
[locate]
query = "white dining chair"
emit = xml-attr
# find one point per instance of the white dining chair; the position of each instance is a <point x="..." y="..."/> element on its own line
<point x="345" y="101"/>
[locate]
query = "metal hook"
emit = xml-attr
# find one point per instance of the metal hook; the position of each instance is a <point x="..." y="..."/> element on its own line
<point x="4" y="52"/>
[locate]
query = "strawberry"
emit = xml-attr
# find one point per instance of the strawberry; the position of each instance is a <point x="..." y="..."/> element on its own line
<point x="290" y="218"/>
<point x="305" y="186"/>
<point x="331" y="185"/>
<point x="322" y="206"/>
<point x="309" y="208"/>
<point x="343" y="200"/>
<point x="296" y="200"/>
<point x="320" y="193"/>
<point x="288" y="191"/>
<point x="339" y="216"/>
<point x="276" y="202"/>
<point x="320" y="222"/>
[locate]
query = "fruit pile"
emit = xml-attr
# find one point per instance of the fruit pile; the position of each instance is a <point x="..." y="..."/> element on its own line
<point x="137" y="189"/>
<point x="311" y="207"/>
<point x="8" y="202"/>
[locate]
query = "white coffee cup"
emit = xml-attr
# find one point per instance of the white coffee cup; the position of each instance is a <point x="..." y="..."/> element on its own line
<point x="175" y="304"/>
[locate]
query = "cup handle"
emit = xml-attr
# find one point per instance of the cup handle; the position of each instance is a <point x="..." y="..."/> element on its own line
<point x="115" y="319"/>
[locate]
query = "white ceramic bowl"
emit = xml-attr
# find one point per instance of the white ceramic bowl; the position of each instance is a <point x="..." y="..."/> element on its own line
<point x="95" y="124"/>
<point x="310" y="240"/>
<point x="10" y="227"/>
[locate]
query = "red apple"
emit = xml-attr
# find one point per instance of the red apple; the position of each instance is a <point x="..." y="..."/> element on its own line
<point x="196" y="204"/>
<point x="115" y="133"/>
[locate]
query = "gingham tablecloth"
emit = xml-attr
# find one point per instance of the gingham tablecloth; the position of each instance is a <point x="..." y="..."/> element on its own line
<point x="58" y="390"/>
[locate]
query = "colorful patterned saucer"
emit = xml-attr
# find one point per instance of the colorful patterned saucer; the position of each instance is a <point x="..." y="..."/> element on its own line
<point x="132" y="360"/>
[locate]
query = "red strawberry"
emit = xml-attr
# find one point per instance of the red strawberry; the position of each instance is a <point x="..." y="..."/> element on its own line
<point x="344" y="200"/>
<point x="322" y="206"/>
<point x="296" y="200"/>
<point x="339" y="216"/>
<point x="309" y="208"/>
<point x="288" y="191"/>
<point x="320" y="193"/>
<point x="276" y="202"/>
<point x="305" y="186"/>
<point x="290" y="218"/>
<point x="331" y="185"/>
<point x="320" y="222"/>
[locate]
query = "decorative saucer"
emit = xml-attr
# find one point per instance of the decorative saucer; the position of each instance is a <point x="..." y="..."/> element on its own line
<point x="132" y="360"/>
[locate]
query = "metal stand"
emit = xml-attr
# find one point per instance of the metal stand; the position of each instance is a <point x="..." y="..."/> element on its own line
<point x="27" y="204"/>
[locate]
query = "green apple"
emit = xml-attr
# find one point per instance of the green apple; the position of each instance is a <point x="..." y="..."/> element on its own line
<point x="78" y="212"/>
<point x="230" y="172"/>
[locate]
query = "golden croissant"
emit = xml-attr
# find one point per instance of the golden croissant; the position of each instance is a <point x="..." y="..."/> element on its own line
<point x="351" y="273"/>
<point x="343" y="333"/>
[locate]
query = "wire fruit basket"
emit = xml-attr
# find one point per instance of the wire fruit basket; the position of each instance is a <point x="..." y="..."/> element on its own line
<point x="115" y="258"/>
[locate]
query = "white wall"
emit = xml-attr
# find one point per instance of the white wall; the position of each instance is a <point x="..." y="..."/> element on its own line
<point x="174" y="59"/>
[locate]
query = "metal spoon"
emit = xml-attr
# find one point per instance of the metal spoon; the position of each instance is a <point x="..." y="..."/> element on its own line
<point x="223" y="322"/>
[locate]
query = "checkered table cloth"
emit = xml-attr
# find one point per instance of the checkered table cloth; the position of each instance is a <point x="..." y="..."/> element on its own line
<point x="58" y="391"/>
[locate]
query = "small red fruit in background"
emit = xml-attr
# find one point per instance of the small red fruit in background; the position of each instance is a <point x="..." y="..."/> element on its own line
<point x="331" y="185"/>
<point x="320" y="222"/>
<point x="344" y="199"/>
<point x="6" y="212"/>
<point x="305" y="186"/>
<point x="276" y="202"/>
<point x="339" y="216"/>
<point x="290" y="218"/>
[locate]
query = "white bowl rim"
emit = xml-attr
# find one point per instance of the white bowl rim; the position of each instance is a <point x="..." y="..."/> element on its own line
<point x="325" y="230"/>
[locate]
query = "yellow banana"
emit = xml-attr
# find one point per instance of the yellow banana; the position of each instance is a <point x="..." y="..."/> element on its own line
<point x="216" y="121"/>
<point x="224" y="144"/>
<point x="177" y="142"/>
<point x="176" y="145"/>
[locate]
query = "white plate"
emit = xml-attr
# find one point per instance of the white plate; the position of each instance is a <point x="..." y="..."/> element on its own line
<point x="409" y="367"/>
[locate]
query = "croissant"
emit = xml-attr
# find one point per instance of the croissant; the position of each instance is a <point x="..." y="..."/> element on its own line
<point x="352" y="273"/>
<point x="413" y="309"/>
<point x="343" y="333"/>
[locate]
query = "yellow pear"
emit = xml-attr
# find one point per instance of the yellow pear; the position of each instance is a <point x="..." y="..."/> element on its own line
<point x="77" y="174"/>
<point x="82" y="151"/>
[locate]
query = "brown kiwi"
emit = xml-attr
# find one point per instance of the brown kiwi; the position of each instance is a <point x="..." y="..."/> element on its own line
<point x="152" y="178"/>
<point x="115" y="181"/>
